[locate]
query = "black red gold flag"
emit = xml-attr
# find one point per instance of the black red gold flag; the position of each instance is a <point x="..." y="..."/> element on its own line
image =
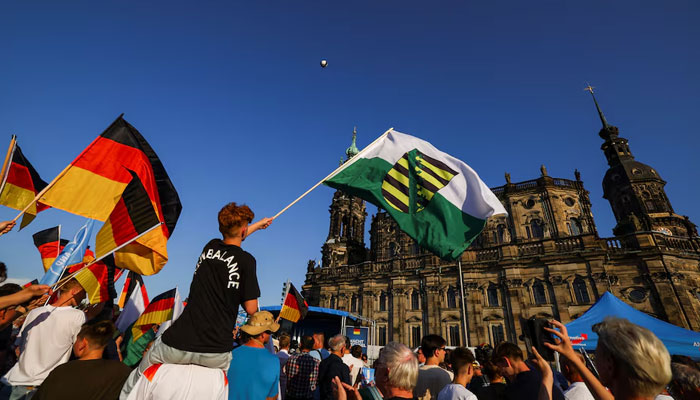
<point x="294" y="308"/>
<point x="132" y="217"/>
<point x="133" y="281"/>
<point x="93" y="183"/>
<point x="158" y="311"/>
<point x="49" y="244"/>
<point x="20" y="184"/>
<point x="98" y="280"/>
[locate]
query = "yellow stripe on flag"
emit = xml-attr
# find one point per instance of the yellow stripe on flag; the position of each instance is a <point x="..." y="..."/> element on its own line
<point x="290" y="314"/>
<point x="17" y="197"/>
<point x="90" y="283"/>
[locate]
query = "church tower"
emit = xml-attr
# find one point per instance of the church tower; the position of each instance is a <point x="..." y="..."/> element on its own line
<point x="635" y="190"/>
<point x="345" y="244"/>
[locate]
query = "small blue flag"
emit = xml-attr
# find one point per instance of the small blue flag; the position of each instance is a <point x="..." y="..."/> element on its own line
<point x="72" y="253"/>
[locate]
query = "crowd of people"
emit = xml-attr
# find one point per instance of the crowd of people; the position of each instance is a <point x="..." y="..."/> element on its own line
<point x="63" y="351"/>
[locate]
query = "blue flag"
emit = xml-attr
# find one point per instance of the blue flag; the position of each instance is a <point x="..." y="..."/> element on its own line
<point x="72" y="253"/>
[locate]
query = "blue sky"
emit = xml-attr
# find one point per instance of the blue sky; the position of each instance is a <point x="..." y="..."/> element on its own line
<point x="232" y="98"/>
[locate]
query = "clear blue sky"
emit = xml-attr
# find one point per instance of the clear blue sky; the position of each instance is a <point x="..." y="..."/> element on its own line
<point x="232" y="98"/>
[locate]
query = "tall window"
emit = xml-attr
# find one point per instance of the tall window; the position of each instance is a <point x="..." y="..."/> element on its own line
<point x="332" y="302"/>
<point x="381" y="333"/>
<point x="415" y="300"/>
<point x="382" y="301"/>
<point x="497" y="335"/>
<point x="393" y="249"/>
<point x="353" y="303"/>
<point x="581" y="291"/>
<point x="575" y="227"/>
<point x="501" y="233"/>
<point x="451" y="298"/>
<point x="492" y="294"/>
<point x="415" y="336"/>
<point x="453" y="335"/>
<point x="538" y="293"/>
<point x="536" y="228"/>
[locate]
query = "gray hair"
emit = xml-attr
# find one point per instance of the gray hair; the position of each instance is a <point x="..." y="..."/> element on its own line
<point x="638" y="353"/>
<point x="402" y="364"/>
<point x="337" y="342"/>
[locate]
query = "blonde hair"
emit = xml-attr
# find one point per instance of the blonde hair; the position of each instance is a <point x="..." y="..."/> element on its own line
<point x="638" y="354"/>
<point x="402" y="364"/>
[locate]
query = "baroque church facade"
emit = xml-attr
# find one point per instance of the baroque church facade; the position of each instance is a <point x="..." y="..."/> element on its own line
<point x="545" y="258"/>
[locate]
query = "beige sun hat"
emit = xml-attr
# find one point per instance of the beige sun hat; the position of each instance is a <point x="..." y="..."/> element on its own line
<point x="260" y="322"/>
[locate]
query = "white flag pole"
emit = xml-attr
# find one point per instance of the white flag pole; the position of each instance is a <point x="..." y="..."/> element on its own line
<point x="335" y="172"/>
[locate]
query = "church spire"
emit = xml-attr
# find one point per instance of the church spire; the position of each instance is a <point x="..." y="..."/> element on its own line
<point x="589" y="88"/>
<point x="352" y="150"/>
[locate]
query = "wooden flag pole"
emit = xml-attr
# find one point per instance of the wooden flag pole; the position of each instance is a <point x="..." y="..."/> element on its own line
<point x="8" y="157"/>
<point x="335" y="172"/>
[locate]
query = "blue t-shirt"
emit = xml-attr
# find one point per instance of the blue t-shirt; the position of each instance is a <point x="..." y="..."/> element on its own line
<point x="254" y="374"/>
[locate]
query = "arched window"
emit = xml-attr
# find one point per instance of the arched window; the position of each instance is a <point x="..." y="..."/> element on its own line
<point x="451" y="298"/>
<point x="581" y="291"/>
<point x="415" y="300"/>
<point x="537" y="229"/>
<point x="492" y="295"/>
<point x="501" y="233"/>
<point x="538" y="293"/>
<point x="382" y="301"/>
<point x="575" y="227"/>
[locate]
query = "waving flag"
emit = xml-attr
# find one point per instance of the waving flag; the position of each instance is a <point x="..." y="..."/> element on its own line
<point x="158" y="311"/>
<point x="49" y="244"/>
<point x="98" y="280"/>
<point x="72" y="253"/>
<point x="133" y="301"/>
<point x="294" y="307"/>
<point x="20" y="184"/>
<point x="435" y="198"/>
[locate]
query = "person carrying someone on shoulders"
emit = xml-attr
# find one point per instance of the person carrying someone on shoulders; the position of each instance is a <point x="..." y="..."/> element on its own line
<point x="224" y="279"/>
<point x="90" y="376"/>
<point x="631" y="361"/>
<point x="254" y="372"/>
<point x="431" y="378"/>
<point x="462" y="361"/>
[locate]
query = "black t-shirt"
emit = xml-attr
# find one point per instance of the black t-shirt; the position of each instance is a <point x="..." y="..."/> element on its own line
<point x="223" y="279"/>
<point x="89" y="379"/>
<point x="527" y="387"/>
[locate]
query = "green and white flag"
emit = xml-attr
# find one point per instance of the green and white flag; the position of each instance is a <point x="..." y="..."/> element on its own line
<point x="435" y="198"/>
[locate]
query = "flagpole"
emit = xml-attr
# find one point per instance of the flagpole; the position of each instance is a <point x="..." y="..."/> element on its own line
<point x="6" y="163"/>
<point x="465" y="323"/>
<point x="335" y="172"/>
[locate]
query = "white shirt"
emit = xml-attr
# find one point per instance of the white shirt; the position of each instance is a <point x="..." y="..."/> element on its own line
<point x="578" y="391"/>
<point x="455" y="391"/>
<point x="180" y="382"/>
<point x="46" y="341"/>
<point x="355" y="365"/>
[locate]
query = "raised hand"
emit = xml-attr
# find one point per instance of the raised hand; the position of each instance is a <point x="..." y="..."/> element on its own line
<point x="6" y="226"/>
<point x="562" y="343"/>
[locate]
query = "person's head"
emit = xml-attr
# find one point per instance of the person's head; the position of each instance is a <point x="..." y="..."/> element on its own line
<point x="337" y="345"/>
<point x="462" y="361"/>
<point x="396" y="368"/>
<point x="259" y="327"/>
<point x="70" y="294"/>
<point x="234" y="220"/>
<point x="92" y="339"/>
<point x="686" y="382"/>
<point x="8" y="314"/>
<point x="319" y="339"/>
<point x="630" y="359"/>
<point x="356" y="351"/>
<point x="491" y="371"/>
<point x="285" y="341"/>
<point x="433" y="347"/>
<point x="307" y="343"/>
<point x="508" y="358"/>
<point x="364" y="357"/>
<point x="569" y="370"/>
<point x="420" y="356"/>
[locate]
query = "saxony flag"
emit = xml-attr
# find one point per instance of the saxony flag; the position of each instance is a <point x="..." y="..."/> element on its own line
<point x="435" y="198"/>
<point x="20" y="183"/>
<point x="294" y="307"/>
<point x="49" y="244"/>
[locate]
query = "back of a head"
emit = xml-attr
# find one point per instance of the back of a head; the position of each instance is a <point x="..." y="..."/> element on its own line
<point x="461" y="357"/>
<point x="356" y="351"/>
<point x="507" y="350"/>
<point x="9" y="288"/>
<point x="686" y="380"/>
<point x="638" y="355"/>
<point x="337" y="342"/>
<point x="402" y="364"/>
<point x="97" y="334"/>
<point x="233" y="216"/>
<point x="491" y="370"/>
<point x="284" y="341"/>
<point x="307" y="342"/>
<point x="430" y="343"/>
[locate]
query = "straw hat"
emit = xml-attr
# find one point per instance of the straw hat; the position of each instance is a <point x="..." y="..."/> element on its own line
<point x="260" y="322"/>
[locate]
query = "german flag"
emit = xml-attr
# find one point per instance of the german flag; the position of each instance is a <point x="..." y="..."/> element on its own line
<point x="49" y="244"/>
<point x="98" y="280"/>
<point x="294" y="308"/>
<point x="132" y="218"/>
<point x="158" y="311"/>
<point x="93" y="183"/>
<point x="20" y="184"/>
<point x="133" y="280"/>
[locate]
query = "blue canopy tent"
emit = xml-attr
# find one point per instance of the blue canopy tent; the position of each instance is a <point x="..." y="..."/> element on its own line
<point x="677" y="340"/>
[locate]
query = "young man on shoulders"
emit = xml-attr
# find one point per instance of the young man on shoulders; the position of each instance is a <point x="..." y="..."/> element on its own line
<point x="462" y="361"/>
<point x="224" y="279"/>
